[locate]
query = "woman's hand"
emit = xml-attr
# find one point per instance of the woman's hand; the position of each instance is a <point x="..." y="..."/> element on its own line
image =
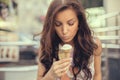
<point x="60" y="67"/>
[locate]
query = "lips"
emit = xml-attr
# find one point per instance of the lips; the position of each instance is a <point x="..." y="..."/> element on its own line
<point x="65" y="38"/>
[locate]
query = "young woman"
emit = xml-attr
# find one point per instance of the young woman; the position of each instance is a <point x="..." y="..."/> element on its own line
<point x="66" y="23"/>
<point x="4" y="11"/>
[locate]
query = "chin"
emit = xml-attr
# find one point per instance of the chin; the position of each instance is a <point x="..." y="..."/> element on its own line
<point x="67" y="41"/>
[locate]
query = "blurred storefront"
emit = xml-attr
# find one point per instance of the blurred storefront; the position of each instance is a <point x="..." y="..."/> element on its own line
<point x="112" y="18"/>
<point x="18" y="50"/>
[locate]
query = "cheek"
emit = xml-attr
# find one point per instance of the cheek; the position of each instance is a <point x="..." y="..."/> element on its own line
<point x="58" y="31"/>
<point x="74" y="31"/>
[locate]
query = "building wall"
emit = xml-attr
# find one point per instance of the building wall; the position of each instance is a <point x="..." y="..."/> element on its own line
<point x="112" y="6"/>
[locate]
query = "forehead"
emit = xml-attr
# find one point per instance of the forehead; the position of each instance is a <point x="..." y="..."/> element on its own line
<point x="67" y="13"/>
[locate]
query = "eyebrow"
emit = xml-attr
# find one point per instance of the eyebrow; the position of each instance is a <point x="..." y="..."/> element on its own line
<point x="67" y="21"/>
<point x="73" y="19"/>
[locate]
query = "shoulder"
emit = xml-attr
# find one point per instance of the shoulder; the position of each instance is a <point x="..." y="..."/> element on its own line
<point x="98" y="51"/>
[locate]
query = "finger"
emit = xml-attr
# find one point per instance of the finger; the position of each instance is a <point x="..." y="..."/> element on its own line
<point x="61" y="66"/>
<point x="64" y="60"/>
<point x="57" y="63"/>
<point x="64" y="64"/>
<point x="60" y="72"/>
<point x="63" y="69"/>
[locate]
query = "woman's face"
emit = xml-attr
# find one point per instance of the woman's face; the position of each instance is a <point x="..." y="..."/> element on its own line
<point x="66" y="25"/>
<point x="4" y="13"/>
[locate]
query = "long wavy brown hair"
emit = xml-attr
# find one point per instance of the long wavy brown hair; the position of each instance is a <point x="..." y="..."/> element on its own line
<point x="83" y="40"/>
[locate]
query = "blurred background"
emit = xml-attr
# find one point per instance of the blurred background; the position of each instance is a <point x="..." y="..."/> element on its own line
<point x="21" y="21"/>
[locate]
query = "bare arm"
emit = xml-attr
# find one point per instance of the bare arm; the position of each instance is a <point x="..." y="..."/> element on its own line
<point x="41" y="70"/>
<point x="97" y="61"/>
<point x="58" y="69"/>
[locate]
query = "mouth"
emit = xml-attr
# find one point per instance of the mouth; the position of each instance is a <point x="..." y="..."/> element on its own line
<point x="65" y="38"/>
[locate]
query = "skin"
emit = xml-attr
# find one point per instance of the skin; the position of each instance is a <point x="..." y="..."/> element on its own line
<point x="4" y="13"/>
<point x="66" y="27"/>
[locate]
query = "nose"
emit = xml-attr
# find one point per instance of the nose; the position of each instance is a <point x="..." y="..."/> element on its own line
<point x="65" y="30"/>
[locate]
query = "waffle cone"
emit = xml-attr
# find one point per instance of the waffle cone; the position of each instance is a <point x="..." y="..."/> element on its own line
<point x="65" y="51"/>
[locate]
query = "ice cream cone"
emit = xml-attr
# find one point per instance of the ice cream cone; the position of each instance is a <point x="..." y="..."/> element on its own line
<point x="65" y="51"/>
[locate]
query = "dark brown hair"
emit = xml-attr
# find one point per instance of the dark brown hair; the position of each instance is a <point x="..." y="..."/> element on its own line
<point x="83" y="40"/>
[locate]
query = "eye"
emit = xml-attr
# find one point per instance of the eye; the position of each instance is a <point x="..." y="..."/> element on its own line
<point x="58" y="23"/>
<point x="71" y="23"/>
